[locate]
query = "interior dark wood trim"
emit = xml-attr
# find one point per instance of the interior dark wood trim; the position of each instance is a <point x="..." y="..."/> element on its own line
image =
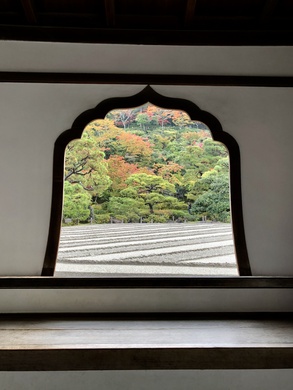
<point x="147" y="316"/>
<point x="43" y="282"/>
<point x="29" y="11"/>
<point x="110" y="12"/>
<point x="71" y="358"/>
<point x="201" y="37"/>
<point x="146" y="95"/>
<point x="143" y="79"/>
<point x="268" y="9"/>
<point x="189" y="12"/>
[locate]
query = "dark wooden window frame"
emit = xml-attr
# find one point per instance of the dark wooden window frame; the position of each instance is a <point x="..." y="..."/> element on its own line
<point x="145" y="96"/>
<point x="242" y="282"/>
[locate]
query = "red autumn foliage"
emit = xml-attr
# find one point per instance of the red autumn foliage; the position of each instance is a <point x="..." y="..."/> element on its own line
<point x="119" y="170"/>
<point x="134" y="144"/>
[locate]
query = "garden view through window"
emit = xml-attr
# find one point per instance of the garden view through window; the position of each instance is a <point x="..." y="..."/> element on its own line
<point x="146" y="193"/>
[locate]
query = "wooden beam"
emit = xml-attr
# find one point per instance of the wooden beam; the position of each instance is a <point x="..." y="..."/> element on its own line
<point x="110" y="12"/>
<point x="257" y="37"/>
<point x="189" y="13"/>
<point x="29" y="11"/>
<point x="268" y="9"/>
<point x="145" y="21"/>
<point x="96" y="357"/>
<point x="242" y="282"/>
<point x="146" y="79"/>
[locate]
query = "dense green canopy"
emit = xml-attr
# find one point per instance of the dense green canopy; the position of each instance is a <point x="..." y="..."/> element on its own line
<point x="146" y="164"/>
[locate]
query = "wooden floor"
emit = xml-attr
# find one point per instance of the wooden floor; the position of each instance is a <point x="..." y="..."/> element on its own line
<point x="88" y="343"/>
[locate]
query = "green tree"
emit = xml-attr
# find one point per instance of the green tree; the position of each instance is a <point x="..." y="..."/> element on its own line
<point x="214" y="203"/>
<point x="128" y="209"/>
<point x="76" y="205"/>
<point x="180" y="119"/>
<point x="153" y="190"/>
<point x="153" y="161"/>
<point x="143" y="120"/>
<point x="214" y="148"/>
<point x="85" y="165"/>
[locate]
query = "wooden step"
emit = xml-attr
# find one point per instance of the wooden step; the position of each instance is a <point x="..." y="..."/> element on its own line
<point x="89" y="342"/>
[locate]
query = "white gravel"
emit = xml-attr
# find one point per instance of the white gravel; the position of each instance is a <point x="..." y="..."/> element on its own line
<point x="147" y="249"/>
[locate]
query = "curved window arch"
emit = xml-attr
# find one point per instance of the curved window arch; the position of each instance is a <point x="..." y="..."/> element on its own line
<point x="145" y="96"/>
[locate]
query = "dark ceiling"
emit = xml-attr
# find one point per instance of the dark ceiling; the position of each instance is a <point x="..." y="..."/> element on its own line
<point x="180" y="22"/>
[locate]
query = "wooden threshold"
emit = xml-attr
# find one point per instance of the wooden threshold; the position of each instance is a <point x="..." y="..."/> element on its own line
<point x="48" y="343"/>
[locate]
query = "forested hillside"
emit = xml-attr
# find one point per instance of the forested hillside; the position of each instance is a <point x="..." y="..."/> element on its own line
<point x="146" y="164"/>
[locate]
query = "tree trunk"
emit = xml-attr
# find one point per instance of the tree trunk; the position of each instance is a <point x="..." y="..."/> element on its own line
<point x="151" y="208"/>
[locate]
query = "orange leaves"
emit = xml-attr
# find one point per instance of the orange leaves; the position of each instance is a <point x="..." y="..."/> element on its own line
<point x="102" y="131"/>
<point x="180" y="119"/>
<point x="117" y="141"/>
<point x="134" y="144"/>
<point x="119" y="170"/>
<point x="166" y="171"/>
<point x="195" y="137"/>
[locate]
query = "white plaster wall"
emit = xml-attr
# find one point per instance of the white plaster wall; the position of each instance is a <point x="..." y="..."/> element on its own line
<point x="147" y="301"/>
<point x="261" y="121"/>
<point x="33" y="115"/>
<point x="31" y="119"/>
<point x="104" y="58"/>
<point x="146" y="380"/>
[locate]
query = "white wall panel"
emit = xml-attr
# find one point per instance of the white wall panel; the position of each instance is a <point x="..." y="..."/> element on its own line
<point x="145" y="300"/>
<point x="145" y="380"/>
<point x="31" y="119"/>
<point x="104" y="58"/>
<point x="33" y="116"/>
